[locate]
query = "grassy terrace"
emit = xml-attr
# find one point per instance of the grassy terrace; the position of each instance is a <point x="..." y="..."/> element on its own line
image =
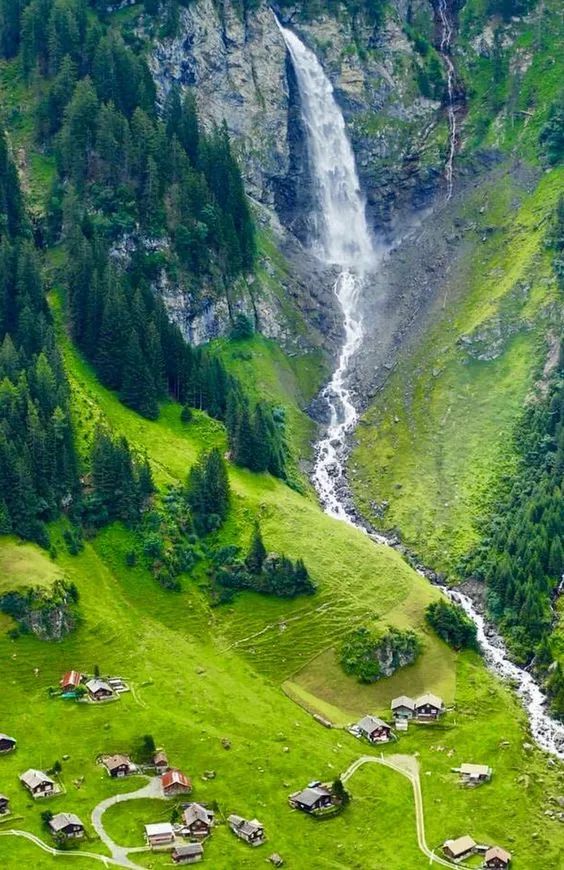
<point x="438" y="436"/>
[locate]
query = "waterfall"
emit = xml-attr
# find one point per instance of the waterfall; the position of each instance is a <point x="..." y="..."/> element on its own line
<point x="445" y="48"/>
<point x="341" y="238"/>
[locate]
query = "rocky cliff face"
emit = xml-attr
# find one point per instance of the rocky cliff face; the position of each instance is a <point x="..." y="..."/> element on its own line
<point x="239" y="71"/>
<point x="49" y="613"/>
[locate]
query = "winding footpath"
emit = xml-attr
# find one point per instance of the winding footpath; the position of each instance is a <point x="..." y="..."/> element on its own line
<point x="407" y="766"/>
<point x="119" y="854"/>
<point x="59" y="852"/>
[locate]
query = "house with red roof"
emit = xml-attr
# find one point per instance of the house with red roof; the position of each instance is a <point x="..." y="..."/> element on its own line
<point x="174" y="782"/>
<point x="70" y="681"/>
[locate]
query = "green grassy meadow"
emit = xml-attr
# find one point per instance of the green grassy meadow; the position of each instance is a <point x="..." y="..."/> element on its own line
<point x="199" y="674"/>
<point x="438" y="437"/>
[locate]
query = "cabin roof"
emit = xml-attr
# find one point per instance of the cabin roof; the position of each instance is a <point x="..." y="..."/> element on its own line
<point x="370" y="723"/>
<point x="113" y="761"/>
<point x="175" y="777"/>
<point x="310" y="796"/>
<point x="429" y="698"/>
<point x="159" y="829"/>
<point x="403" y="701"/>
<point x="62" y="820"/>
<point x="189" y="849"/>
<point x="196" y="812"/>
<point x="33" y="778"/>
<point x="461" y="845"/>
<point x="498" y="852"/>
<point x="475" y="769"/>
<point x="94" y="686"/>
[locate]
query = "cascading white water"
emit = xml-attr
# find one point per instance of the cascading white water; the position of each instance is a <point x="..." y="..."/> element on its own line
<point x="445" y="47"/>
<point x="343" y="239"/>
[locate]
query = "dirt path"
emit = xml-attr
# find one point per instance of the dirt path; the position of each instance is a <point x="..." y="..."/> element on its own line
<point x="59" y="852"/>
<point x="407" y="766"/>
<point x="120" y="854"/>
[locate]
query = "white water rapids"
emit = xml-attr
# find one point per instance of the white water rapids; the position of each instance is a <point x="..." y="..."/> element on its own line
<point x="343" y="239"/>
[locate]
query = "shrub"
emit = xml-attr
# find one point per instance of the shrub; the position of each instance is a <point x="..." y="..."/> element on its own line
<point x="451" y="624"/>
<point x="370" y="655"/>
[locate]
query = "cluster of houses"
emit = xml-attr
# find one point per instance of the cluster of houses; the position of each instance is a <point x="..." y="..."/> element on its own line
<point x="41" y="785"/>
<point x="196" y="825"/>
<point x="425" y="708"/>
<point x="74" y="684"/>
<point x="495" y="858"/>
<point x="7" y="744"/>
<point x="173" y="781"/>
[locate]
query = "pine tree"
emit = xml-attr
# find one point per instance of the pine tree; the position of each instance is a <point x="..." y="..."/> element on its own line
<point x="137" y="384"/>
<point x="257" y="552"/>
<point x="556" y="559"/>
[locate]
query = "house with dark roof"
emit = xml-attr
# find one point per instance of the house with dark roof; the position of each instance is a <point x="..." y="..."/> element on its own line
<point x="38" y="783"/>
<point x="497" y="858"/>
<point x="118" y="765"/>
<point x="99" y="690"/>
<point x="175" y="782"/>
<point x="4" y="805"/>
<point x="70" y="681"/>
<point x="66" y="825"/>
<point x="374" y="729"/>
<point x="188" y="854"/>
<point x="403" y="707"/>
<point x="428" y="707"/>
<point x="252" y="832"/>
<point x="311" y="799"/>
<point x="460" y="848"/>
<point x="197" y="821"/>
<point x="7" y="744"/>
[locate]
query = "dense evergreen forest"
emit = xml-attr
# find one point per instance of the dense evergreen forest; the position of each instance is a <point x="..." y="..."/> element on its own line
<point x="521" y="558"/>
<point x="38" y="469"/>
<point x="156" y="182"/>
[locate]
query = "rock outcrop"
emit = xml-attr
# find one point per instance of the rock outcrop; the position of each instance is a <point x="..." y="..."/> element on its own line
<point x="49" y="613"/>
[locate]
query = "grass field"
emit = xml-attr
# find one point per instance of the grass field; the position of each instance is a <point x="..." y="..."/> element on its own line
<point x="189" y="694"/>
<point x="438" y="437"/>
<point x="24" y="565"/>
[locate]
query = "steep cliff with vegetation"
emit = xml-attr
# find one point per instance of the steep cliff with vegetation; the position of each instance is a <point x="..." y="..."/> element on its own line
<point x="445" y="449"/>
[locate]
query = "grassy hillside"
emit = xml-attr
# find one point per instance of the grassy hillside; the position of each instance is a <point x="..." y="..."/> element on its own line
<point x="437" y="439"/>
<point x="199" y="675"/>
